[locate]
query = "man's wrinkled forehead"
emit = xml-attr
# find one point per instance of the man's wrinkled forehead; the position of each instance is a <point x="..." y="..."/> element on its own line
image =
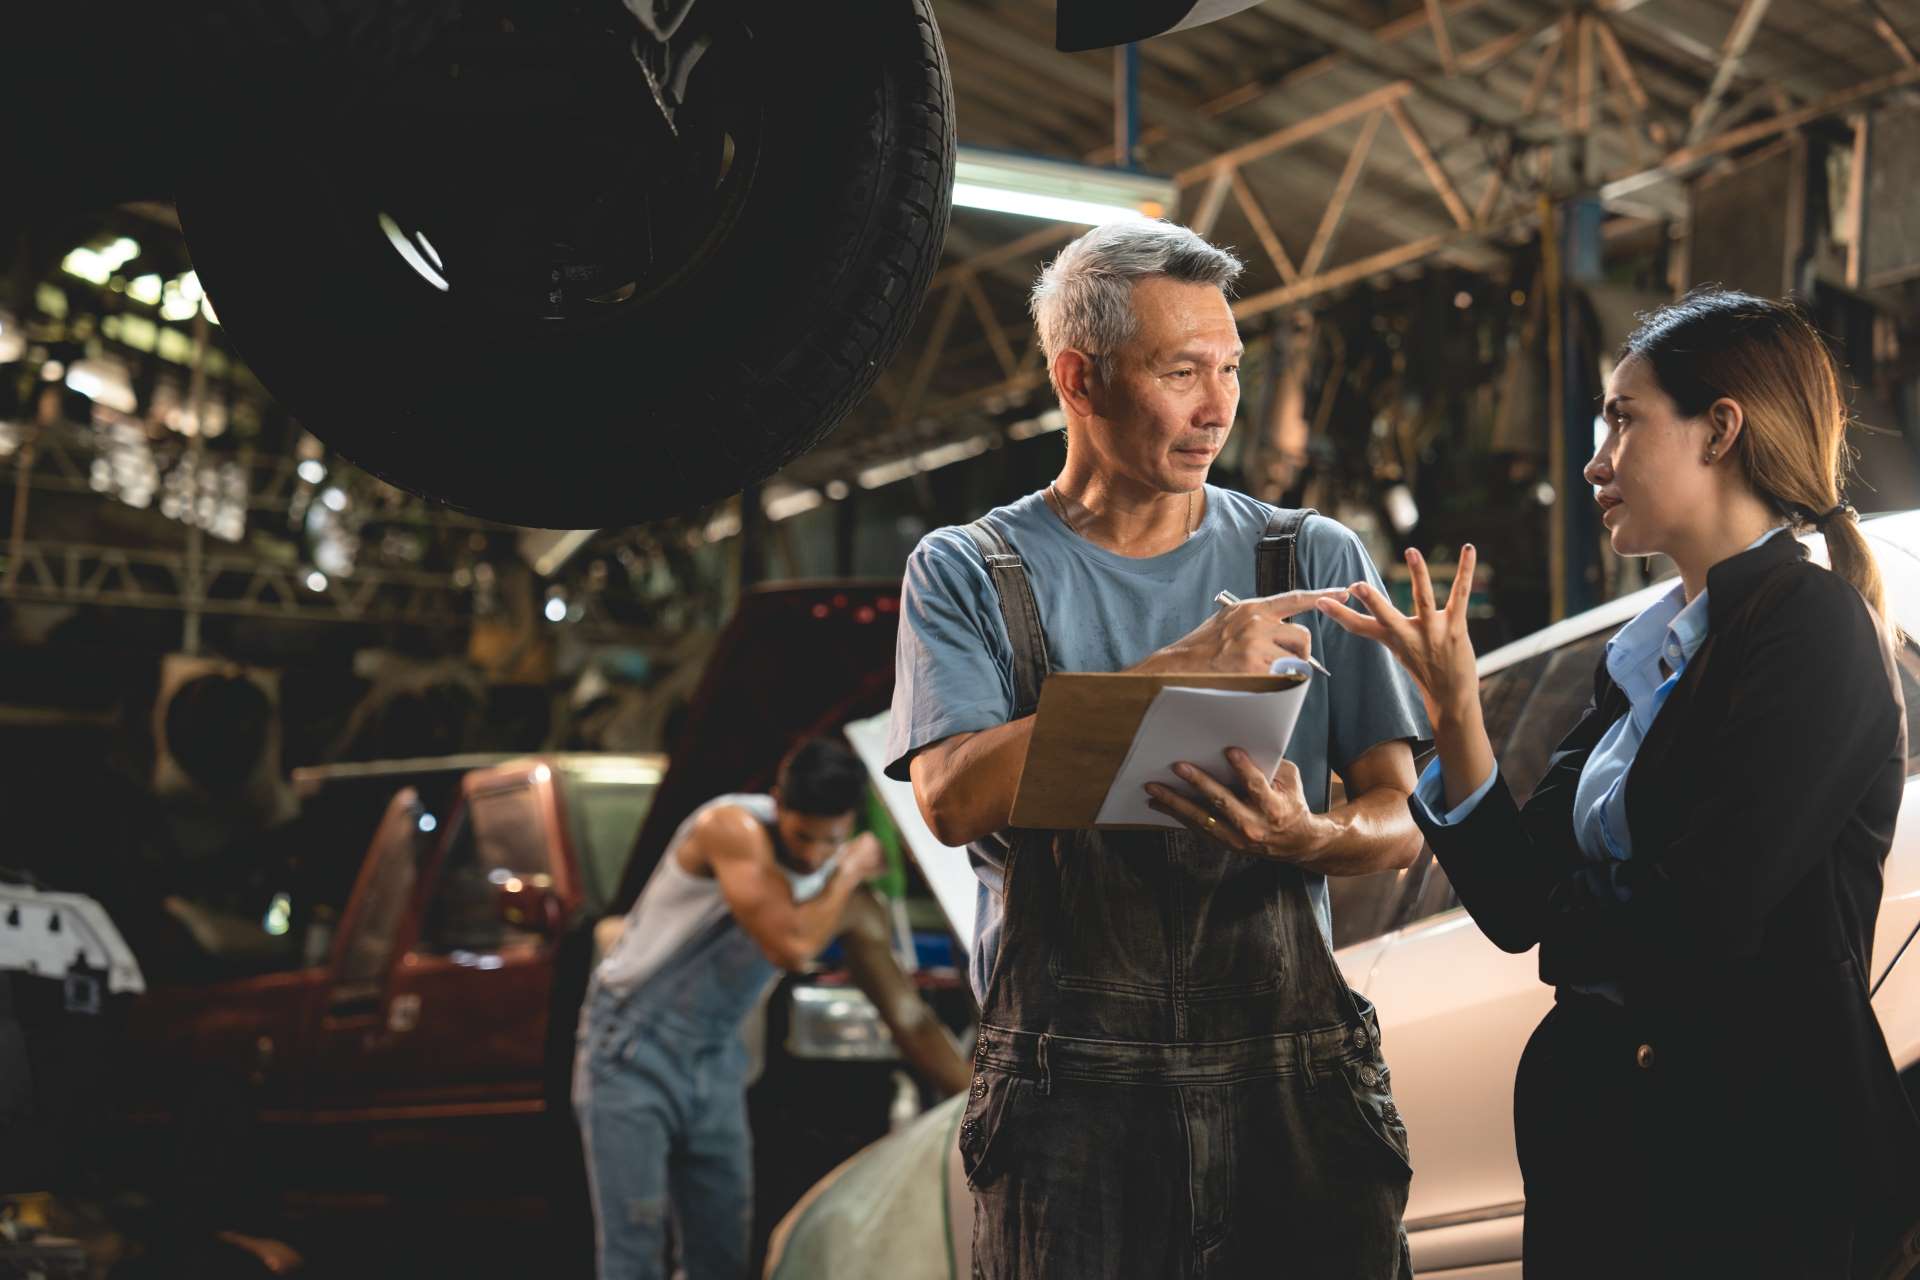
<point x="1178" y="319"/>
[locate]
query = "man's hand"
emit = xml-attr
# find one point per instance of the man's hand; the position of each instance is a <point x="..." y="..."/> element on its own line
<point x="1243" y="638"/>
<point x="862" y="858"/>
<point x="1269" y="818"/>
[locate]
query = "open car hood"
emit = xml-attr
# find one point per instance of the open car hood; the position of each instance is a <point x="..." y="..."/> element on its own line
<point x="946" y="869"/>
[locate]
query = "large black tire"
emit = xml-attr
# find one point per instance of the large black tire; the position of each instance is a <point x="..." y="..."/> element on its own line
<point x="711" y="382"/>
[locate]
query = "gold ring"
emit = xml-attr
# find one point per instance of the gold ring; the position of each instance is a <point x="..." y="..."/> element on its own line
<point x="1212" y="821"/>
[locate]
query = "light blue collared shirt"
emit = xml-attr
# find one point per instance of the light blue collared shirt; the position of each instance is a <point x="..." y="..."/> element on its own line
<point x="1668" y="631"/>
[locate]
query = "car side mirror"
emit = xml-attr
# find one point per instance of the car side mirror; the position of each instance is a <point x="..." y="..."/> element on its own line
<point x="530" y="904"/>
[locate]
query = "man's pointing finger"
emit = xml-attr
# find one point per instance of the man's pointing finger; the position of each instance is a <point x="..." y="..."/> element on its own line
<point x="1288" y="603"/>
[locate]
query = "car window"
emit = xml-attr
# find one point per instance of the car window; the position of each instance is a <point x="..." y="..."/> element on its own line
<point x="388" y="887"/>
<point x="1504" y="697"/>
<point x="500" y="839"/>
<point x="1367" y="906"/>
<point x="606" y="818"/>
<point x="1551" y="704"/>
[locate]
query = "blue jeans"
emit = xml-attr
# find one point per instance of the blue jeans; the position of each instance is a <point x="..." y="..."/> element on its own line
<point x="664" y="1123"/>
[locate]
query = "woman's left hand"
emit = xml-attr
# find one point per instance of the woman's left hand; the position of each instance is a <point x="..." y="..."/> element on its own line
<point x="1268" y="816"/>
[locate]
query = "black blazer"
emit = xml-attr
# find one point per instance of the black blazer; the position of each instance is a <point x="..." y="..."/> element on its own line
<point x="1761" y="807"/>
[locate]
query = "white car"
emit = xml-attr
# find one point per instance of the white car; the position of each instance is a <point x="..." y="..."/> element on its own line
<point x="1455" y="1010"/>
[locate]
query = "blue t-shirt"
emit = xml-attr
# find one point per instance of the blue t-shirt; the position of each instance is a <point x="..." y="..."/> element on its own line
<point x="1105" y="612"/>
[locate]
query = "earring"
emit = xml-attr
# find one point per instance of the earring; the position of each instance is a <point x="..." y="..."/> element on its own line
<point x="1708" y="460"/>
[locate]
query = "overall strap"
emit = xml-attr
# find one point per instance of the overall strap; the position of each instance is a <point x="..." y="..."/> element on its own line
<point x="1020" y="612"/>
<point x="1276" y="559"/>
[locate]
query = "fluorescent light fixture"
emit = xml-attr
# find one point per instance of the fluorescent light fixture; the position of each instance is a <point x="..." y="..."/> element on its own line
<point x="1057" y="190"/>
<point x="793" y="502"/>
<point x="1039" y="425"/>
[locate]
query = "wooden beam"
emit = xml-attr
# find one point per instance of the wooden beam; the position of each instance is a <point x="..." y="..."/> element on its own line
<point x="1263" y="228"/>
<point x="1020" y="250"/>
<point x="1884" y="28"/>
<point x="1619" y="63"/>
<point x="1632" y="122"/>
<point x="996" y="335"/>
<point x="1281" y="139"/>
<point x="1570" y="73"/>
<point x="1441" y="41"/>
<point x="1495" y="51"/>
<point x="1386" y="260"/>
<point x="1342" y="193"/>
<point x="1637" y="105"/>
<point x="936" y="344"/>
<point x="1442" y="185"/>
<point x="1823" y="106"/>
<point x="1484" y="209"/>
<point x="1358" y="43"/>
<point x="1583" y="49"/>
<point x="1289" y="81"/>
<point x="1745" y="24"/>
<point x="1212" y="201"/>
<point x="1542" y="72"/>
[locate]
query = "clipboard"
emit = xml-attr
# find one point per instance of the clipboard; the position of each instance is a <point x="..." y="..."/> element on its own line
<point x="1082" y="731"/>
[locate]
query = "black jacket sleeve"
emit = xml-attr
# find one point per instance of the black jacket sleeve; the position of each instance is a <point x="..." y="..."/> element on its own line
<point x="1813" y="717"/>
<point x="1505" y="861"/>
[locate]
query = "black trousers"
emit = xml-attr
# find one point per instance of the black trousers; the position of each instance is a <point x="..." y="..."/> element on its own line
<point x="1631" y="1169"/>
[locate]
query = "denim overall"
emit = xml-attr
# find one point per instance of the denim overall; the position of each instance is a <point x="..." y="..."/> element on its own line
<point x="1172" y="1078"/>
<point x="660" y="1078"/>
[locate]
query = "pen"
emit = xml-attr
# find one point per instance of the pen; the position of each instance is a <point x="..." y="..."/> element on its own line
<point x="1226" y="598"/>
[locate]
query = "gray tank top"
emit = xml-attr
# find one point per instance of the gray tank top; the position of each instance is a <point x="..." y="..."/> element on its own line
<point x="677" y="907"/>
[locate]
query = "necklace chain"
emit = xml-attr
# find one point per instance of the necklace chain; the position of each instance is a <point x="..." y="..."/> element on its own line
<point x="1060" y="505"/>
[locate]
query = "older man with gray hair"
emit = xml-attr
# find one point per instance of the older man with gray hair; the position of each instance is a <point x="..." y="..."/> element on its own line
<point x="1171" y="1078"/>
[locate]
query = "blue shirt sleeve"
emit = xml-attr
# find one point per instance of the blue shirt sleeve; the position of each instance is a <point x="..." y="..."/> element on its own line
<point x="1370" y="699"/>
<point x="953" y="664"/>
<point x="1432" y="791"/>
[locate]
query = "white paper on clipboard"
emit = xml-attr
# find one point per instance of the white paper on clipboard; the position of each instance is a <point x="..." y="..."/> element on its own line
<point x="1198" y="725"/>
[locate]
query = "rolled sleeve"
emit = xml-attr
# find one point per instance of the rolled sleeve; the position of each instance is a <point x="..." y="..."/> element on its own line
<point x="1432" y="792"/>
<point x="953" y="664"/>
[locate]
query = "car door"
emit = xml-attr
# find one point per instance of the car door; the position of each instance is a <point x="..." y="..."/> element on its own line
<point x="432" y="1047"/>
<point x="471" y="988"/>
<point x="349" y="1024"/>
<point x="1456" y="1011"/>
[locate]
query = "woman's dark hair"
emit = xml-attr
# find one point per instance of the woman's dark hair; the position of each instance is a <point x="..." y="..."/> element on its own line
<point x="822" y="779"/>
<point x="1763" y="355"/>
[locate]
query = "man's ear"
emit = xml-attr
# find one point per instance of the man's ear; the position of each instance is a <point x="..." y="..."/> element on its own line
<point x="1073" y="379"/>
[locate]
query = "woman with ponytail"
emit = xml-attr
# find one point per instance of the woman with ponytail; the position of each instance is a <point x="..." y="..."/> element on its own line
<point x="1711" y="1094"/>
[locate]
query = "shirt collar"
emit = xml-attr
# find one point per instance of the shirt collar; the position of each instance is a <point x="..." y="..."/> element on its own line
<point x="1672" y="628"/>
<point x="1633" y="655"/>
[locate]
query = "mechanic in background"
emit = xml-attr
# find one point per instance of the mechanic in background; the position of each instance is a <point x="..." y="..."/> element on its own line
<point x="749" y="885"/>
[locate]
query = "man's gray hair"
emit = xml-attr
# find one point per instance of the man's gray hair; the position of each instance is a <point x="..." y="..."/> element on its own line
<point x="1084" y="298"/>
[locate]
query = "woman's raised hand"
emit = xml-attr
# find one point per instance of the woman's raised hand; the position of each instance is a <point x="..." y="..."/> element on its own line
<point x="1432" y="644"/>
